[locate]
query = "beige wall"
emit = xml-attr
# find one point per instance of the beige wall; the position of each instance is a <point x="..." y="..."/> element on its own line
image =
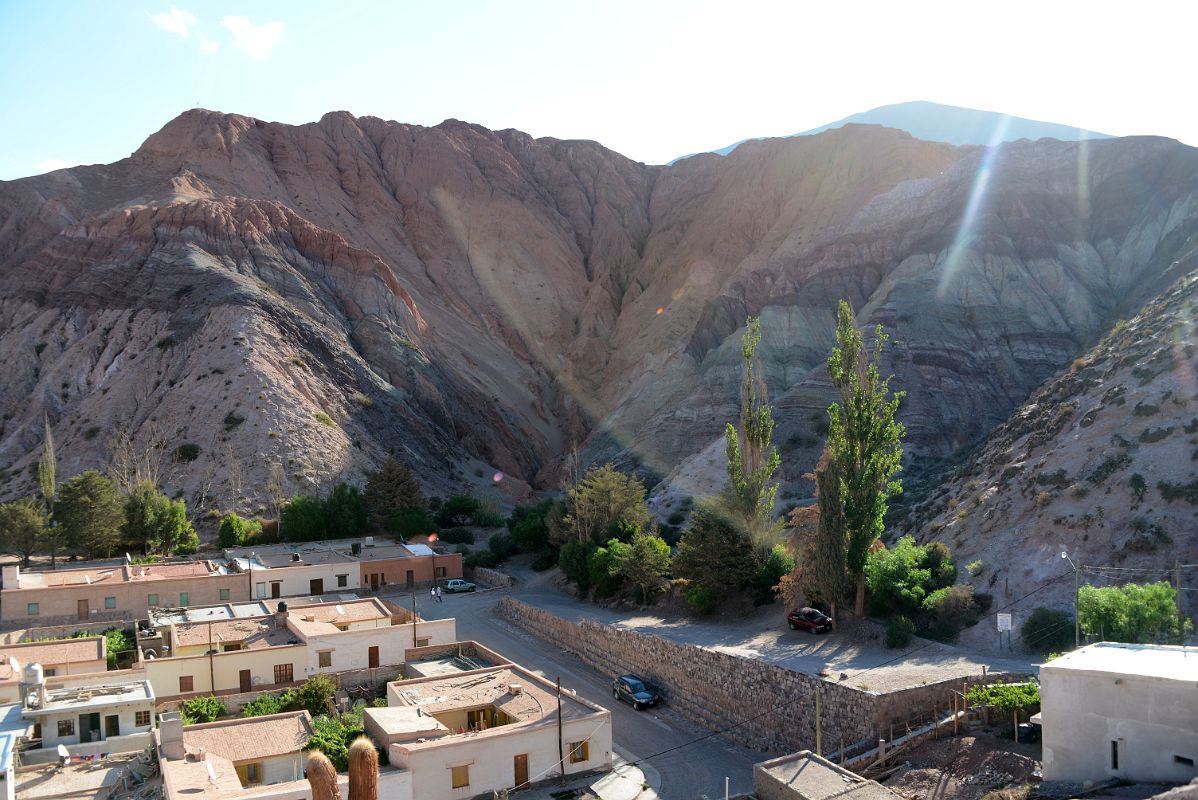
<point x="164" y="673"/>
<point x="297" y="581"/>
<point x="125" y="712"/>
<point x="350" y="648"/>
<point x="393" y="785"/>
<point x="395" y="570"/>
<point x="1152" y="719"/>
<point x="491" y="756"/>
<point x="60" y="603"/>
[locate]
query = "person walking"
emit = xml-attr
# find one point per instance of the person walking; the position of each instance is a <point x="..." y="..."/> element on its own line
<point x="433" y="593"/>
<point x="440" y="599"/>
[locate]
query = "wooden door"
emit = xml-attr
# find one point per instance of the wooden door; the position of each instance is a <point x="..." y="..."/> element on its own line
<point x="316" y="586"/>
<point x="246" y="684"/>
<point x="81" y="609"/>
<point x="521" y="769"/>
<point x="373" y="656"/>
<point x="374" y="581"/>
<point x="276" y="590"/>
<point x="410" y="579"/>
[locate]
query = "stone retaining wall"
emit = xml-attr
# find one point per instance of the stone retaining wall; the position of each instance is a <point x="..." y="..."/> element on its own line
<point x="767" y="707"/>
<point x="492" y="578"/>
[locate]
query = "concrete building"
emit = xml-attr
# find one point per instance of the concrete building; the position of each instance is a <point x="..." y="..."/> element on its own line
<point x="93" y="719"/>
<point x="265" y="653"/>
<point x="1124" y="711"/>
<point x="60" y="657"/>
<point x="120" y="592"/>
<point x="807" y="776"/>
<point x="462" y="733"/>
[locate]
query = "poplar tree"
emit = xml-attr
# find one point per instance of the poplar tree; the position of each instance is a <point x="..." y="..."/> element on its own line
<point x="46" y="483"/>
<point x="752" y="457"/>
<point x="864" y="441"/>
<point x="827" y="575"/>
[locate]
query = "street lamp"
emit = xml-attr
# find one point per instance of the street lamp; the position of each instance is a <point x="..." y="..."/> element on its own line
<point x="1077" y="630"/>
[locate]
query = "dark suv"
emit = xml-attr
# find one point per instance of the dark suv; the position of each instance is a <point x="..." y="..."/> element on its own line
<point x="631" y="689"/>
<point x="811" y="620"/>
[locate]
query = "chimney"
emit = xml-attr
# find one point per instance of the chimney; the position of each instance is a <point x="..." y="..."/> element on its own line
<point x="295" y="557"/>
<point x="170" y="736"/>
<point x="10" y="576"/>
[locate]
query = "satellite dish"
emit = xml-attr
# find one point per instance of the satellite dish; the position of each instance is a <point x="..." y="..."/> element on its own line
<point x="340" y="610"/>
<point x="211" y="773"/>
<point x="12" y="664"/>
<point x="88" y="578"/>
<point x="128" y="558"/>
<point x="63" y="752"/>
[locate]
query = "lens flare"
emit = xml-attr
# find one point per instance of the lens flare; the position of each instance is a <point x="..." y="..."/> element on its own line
<point x="660" y="309"/>
<point x="497" y="477"/>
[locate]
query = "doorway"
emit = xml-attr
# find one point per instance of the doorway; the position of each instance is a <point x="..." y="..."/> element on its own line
<point x="521" y="769"/>
<point x="276" y="589"/>
<point x="112" y="726"/>
<point x="245" y="683"/>
<point x="410" y="579"/>
<point x="89" y="728"/>
<point x="316" y="586"/>
<point x="372" y="656"/>
<point x="374" y="581"/>
<point x="81" y="610"/>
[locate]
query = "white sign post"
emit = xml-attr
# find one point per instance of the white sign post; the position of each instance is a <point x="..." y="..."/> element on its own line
<point x="1004" y="624"/>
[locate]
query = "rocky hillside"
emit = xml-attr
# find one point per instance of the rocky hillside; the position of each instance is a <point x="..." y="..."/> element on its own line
<point x="475" y="301"/>
<point x="1100" y="463"/>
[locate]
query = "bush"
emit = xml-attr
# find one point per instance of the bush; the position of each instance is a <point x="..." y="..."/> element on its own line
<point x="543" y="560"/>
<point x="1047" y="630"/>
<point x="769" y="574"/>
<point x="573" y="559"/>
<point x="603" y="566"/>
<point x="487" y="519"/>
<point x="901" y="577"/>
<point x="116" y="642"/>
<point x="1135" y="613"/>
<point x="703" y="599"/>
<point x="899" y="632"/>
<point x="266" y="704"/>
<point x="303" y="519"/>
<point x="503" y="546"/>
<point x="947" y="611"/>
<point x="481" y="558"/>
<point x="409" y="522"/>
<point x="201" y="709"/>
<point x="457" y="536"/>
<point x="316" y="694"/>
<point x="457" y="511"/>
<point x="324" y="419"/>
<point x="974" y="568"/>
<point x="235" y="531"/>
<point x="185" y="453"/>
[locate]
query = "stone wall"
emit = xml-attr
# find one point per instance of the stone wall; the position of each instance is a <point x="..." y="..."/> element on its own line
<point x="491" y="578"/>
<point x="767" y="707"/>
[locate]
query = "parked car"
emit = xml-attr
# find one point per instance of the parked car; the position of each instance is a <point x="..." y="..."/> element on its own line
<point x="811" y="620"/>
<point x="631" y="689"/>
<point x="455" y="585"/>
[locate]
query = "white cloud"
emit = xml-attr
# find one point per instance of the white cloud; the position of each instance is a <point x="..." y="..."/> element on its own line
<point x="51" y="164"/>
<point x="257" y="41"/>
<point x="177" y="21"/>
<point x="207" y="46"/>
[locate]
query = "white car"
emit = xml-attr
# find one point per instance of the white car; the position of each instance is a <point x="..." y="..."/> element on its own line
<point x="458" y="585"/>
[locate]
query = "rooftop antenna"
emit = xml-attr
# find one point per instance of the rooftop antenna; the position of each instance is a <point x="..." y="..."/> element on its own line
<point x="63" y="752"/>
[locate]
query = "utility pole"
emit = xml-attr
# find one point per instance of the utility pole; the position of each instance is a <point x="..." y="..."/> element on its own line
<point x="818" y="725"/>
<point x="1181" y="628"/>
<point x="413" y="620"/>
<point x="561" y="753"/>
<point x="211" y="670"/>
<point x="1077" y="580"/>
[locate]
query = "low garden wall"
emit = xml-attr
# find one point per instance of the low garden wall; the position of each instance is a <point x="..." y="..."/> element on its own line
<point x="492" y="578"/>
<point x="762" y="705"/>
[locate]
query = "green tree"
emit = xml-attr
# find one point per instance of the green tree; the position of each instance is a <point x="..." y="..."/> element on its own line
<point x="1047" y="630"/>
<point x="715" y="552"/>
<point x="316" y="694"/>
<point x="826" y="576"/>
<point x="153" y="523"/>
<point x="644" y="562"/>
<point x="752" y="457"/>
<point x="303" y="519"/>
<point x="574" y="560"/>
<point x="405" y="523"/>
<point x="864" y="441"/>
<point x="605" y="503"/>
<point x="116" y="642"/>
<point x="1134" y="612"/>
<point x="603" y="568"/>
<point x="769" y="573"/>
<point x="345" y="511"/>
<point x="90" y="513"/>
<point x="457" y="510"/>
<point x="46" y="469"/>
<point x="22" y="526"/>
<point x="392" y="487"/>
<point x="235" y="531"/>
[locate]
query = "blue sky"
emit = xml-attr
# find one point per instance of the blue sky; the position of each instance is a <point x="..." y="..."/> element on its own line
<point x="87" y="82"/>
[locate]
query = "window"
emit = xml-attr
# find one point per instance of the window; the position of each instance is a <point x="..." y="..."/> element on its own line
<point x="1114" y="755"/>
<point x="151" y="599"/>
<point x="66" y="727"/>
<point x="324" y="658"/>
<point x="422" y="642"/>
<point x="184" y="599"/>
<point x="31" y="609"/>
<point x="141" y="719"/>
<point x="461" y="775"/>
<point x="1184" y="760"/>
<point x="186" y="684"/>
<point x="50" y="673"/>
<point x="224" y="594"/>
<point x="260" y="590"/>
<point x="343" y="580"/>
<point x="253" y="774"/>
<point x="579" y="752"/>
<point x="110" y="602"/>
<point x="283" y="673"/>
<point x="439" y="572"/>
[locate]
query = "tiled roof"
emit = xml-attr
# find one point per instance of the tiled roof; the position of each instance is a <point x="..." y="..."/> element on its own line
<point x="252" y="738"/>
<point x="60" y="651"/>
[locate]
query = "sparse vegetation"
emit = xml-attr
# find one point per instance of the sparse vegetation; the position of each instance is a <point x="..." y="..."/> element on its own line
<point x="185" y="453"/>
<point x="324" y="419"/>
<point x="975" y="568"/>
<point x="1046" y="630"/>
<point x="201" y="709"/>
<point x="232" y="420"/>
<point x="1109" y="466"/>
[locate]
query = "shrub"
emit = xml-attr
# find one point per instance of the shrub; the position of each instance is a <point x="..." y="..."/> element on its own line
<point x="1134" y="612"/>
<point x="458" y="510"/>
<point x="266" y="704"/>
<point x="1109" y="466"/>
<point x="481" y="558"/>
<point x="363" y="400"/>
<point x="1046" y="630"/>
<point x="316" y="694"/>
<point x="232" y="531"/>
<point x="487" y="519"/>
<point x="116" y="641"/>
<point x="1006" y="698"/>
<point x="543" y="560"/>
<point x="769" y="574"/>
<point x="948" y="610"/>
<point x="1138" y="486"/>
<point x="165" y="342"/>
<point x="899" y="632"/>
<point x="901" y="577"/>
<point x="185" y="453"/>
<point x="324" y="419"/>
<point x="974" y="568"/>
<point x="677" y="518"/>
<point x="703" y="599"/>
<point x="232" y="420"/>
<point x="410" y="522"/>
<point x="603" y="566"/>
<point x="457" y="536"/>
<point x="529" y="529"/>
<point x="503" y="546"/>
<point x="573" y="560"/>
<point x="201" y="709"/>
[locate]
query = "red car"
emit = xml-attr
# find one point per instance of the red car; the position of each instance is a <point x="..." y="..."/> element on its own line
<point x="811" y="620"/>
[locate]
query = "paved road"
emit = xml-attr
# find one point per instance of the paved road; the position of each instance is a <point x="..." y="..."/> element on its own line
<point x="691" y="773"/>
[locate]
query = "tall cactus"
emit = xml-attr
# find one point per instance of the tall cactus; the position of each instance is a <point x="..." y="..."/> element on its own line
<point x="363" y="770"/>
<point x="322" y="777"/>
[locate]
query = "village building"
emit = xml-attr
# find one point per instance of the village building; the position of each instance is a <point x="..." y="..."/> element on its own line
<point x="58" y="657"/>
<point x="1125" y="711"/>
<point x="807" y="776"/>
<point x="465" y="732"/>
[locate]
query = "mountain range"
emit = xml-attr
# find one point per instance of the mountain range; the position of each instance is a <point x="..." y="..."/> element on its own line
<point x="495" y="309"/>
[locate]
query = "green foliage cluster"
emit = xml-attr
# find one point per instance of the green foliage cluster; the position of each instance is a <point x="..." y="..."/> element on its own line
<point x="266" y="704"/>
<point x="456" y="536"/>
<point x="308" y="518"/>
<point x="404" y="523"/>
<point x="917" y="582"/>
<point x="156" y="524"/>
<point x="715" y="553"/>
<point x="185" y="453"/>
<point x="1047" y="630"/>
<point x="1134" y="612"/>
<point x="1006" y="698"/>
<point x="458" y="510"/>
<point x="117" y="642"/>
<point x="201" y="709"/>
<point x="703" y="600"/>
<point x="899" y="631"/>
<point x="235" y="531"/>
<point x="391" y="489"/>
<point x="605" y="504"/>
<point x="316" y="694"/>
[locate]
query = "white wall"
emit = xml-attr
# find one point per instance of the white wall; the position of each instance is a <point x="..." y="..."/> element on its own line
<point x="491" y="756"/>
<point x="126" y="713"/>
<point x="283" y="769"/>
<point x="1153" y="720"/>
<point x="296" y="581"/>
<point x="351" y="648"/>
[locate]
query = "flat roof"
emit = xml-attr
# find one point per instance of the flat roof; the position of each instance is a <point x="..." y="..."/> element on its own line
<point x="251" y="738"/>
<point x="112" y="575"/>
<point x="161" y="617"/>
<point x="814" y="778"/>
<point x="322" y="619"/>
<point x="405" y="721"/>
<point x="61" y="700"/>
<point x="59" y="651"/>
<point x="492" y="687"/>
<point x="250" y="634"/>
<point x="1168" y="662"/>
